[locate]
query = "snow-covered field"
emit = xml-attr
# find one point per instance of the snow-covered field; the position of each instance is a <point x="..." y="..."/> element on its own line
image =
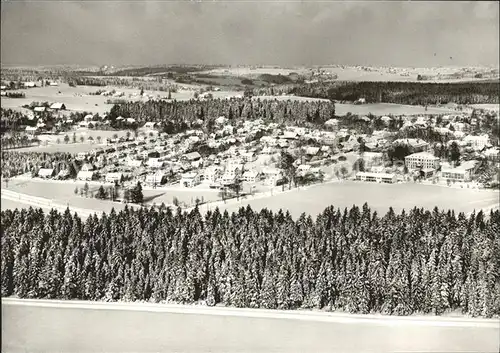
<point x="314" y="199"/>
<point x="50" y="326"/>
<point x="78" y="98"/>
<point x="386" y="109"/>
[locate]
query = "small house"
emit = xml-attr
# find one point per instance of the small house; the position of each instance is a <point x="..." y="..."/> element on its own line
<point x="212" y="174"/>
<point x="272" y="175"/>
<point x="189" y="180"/>
<point x="250" y="176"/>
<point x="86" y="175"/>
<point x="158" y="178"/>
<point x="113" y="177"/>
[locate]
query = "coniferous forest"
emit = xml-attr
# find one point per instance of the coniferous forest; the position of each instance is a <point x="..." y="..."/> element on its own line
<point x="346" y="260"/>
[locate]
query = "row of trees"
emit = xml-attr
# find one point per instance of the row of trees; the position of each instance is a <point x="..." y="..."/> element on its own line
<point x="17" y="140"/>
<point x="347" y="260"/>
<point x="413" y="93"/>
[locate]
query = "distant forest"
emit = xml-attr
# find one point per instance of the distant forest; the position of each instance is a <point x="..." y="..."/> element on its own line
<point x="351" y="260"/>
<point x="412" y="93"/>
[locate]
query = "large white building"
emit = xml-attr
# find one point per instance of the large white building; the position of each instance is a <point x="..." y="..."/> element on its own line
<point x="462" y="173"/>
<point x="376" y="177"/>
<point x="477" y="142"/>
<point x="422" y="160"/>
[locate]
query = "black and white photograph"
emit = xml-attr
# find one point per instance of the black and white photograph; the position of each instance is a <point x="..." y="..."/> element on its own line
<point x="243" y="176"/>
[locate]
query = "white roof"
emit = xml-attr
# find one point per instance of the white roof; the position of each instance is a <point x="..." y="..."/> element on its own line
<point x="56" y="105"/>
<point x="250" y="173"/>
<point x="332" y="122"/>
<point x="45" y="171"/>
<point x="190" y="175"/>
<point x="84" y="174"/>
<point x="425" y="155"/>
<point x="304" y="167"/>
<point x="270" y="170"/>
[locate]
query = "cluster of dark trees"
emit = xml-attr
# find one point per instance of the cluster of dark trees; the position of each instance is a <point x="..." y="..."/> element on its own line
<point x="413" y="93"/>
<point x="352" y="260"/>
<point x="15" y="163"/>
<point x="177" y="116"/>
<point x="16" y="140"/>
<point x="156" y="70"/>
<point x="15" y="95"/>
<point x="427" y="133"/>
<point x="13" y="120"/>
<point x="112" y="193"/>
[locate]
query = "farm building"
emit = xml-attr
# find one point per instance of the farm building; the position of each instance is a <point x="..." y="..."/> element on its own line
<point x="39" y="109"/>
<point x="58" y="106"/>
<point x="376" y="177"/>
<point x="46" y="173"/>
<point x="422" y="160"/>
<point x="113" y="177"/>
<point x="86" y="175"/>
<point x="189" y="180"/>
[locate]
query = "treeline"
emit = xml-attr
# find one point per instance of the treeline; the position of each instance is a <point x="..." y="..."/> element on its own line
<point x="178" y="115"/>
<point x="413" y="93"/>
<point x="150" y="70"/>
<point x="353" y="260"/>
<point x="135" y="82"/>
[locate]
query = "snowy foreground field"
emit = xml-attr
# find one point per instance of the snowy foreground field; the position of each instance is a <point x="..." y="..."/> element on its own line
<point x="311" y="200"/>
<point x="379" y="197"/>
<point x="58" y="326"/>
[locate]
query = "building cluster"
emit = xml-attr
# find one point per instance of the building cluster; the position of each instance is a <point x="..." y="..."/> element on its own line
<point x="236" y="151"/>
